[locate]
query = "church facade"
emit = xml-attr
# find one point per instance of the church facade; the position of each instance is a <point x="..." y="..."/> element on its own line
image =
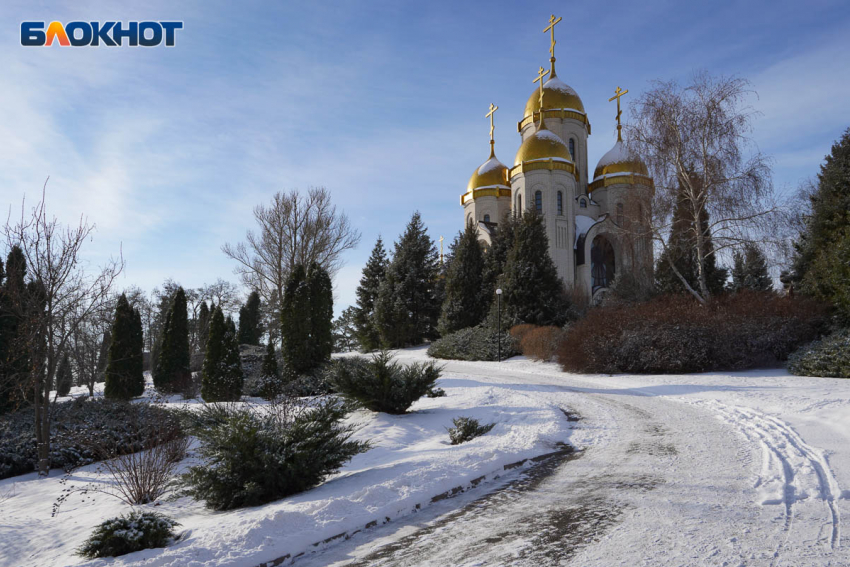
<point x="592" y="221"/>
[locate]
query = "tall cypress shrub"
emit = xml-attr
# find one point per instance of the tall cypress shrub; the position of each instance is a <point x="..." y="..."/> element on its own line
<point x="171" y="373"/>
<point x="295" y="324"/>
<point x="64" y="377"/>
<point x="249" y="321"/>
<point x="221" y="375"/>
<point x="123" y="379"/>
<point x="321" y="314"/>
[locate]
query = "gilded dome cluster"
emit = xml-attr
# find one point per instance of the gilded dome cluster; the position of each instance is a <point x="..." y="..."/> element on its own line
<point x="543" y="144"/>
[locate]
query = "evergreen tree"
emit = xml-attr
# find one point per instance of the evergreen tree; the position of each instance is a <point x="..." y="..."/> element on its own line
<point x="407" y="306"/>
<point x="269" y="376"/>
<point x="345" y="331"/>
<point x="221" y="375"/>
<point x="103" y="355"/>
<point x="321" y="314"/>
<point x="822" y="259"/>
<point x="138" y="352"/>
<point x="464" y="305"/>
<point x="14" y="353"/>
<point x="367" y="295"/>
<point x="64" y="377"/>
<point x="123" y="378"/>
<point x="249" y="321"/>
<point x="203" y="326"/>
<point x="497" y="253"/>
<point x="171" y="372"/>
<point x="749" y="270"/>
<point x="295" y="324"/>
<point x="532" y="292"/>
<point x="682" y="247"/>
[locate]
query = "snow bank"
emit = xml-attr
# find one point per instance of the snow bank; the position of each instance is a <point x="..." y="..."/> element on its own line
<point x="411" y="463"/>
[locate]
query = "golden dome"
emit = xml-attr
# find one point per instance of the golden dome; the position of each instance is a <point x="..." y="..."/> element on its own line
<point x="492" y="172"/>
<point x="556" y="95"/>
<point x="619" y="160"/>
<point x="543" y="144"/>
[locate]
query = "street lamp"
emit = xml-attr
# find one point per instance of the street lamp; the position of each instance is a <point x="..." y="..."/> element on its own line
<point x="499" y="307"/>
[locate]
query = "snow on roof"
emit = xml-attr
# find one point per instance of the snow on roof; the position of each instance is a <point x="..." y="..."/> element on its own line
<point x="583" y="224"/>
<point x="546" y="134"/>
<point x="557" y="84"/>
<point x="490" y="165"/>
<point x="617" y="154"/>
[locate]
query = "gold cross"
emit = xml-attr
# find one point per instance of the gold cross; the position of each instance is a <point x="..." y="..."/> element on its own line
<point x="493" y="109"/>
<point x="617" y="94"/>
<point x="551" y="28"/>
<point x="540" y="74"/>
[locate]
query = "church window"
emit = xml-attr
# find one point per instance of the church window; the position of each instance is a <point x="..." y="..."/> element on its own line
<point x="602" y="265"/>
<point x="538" y="201"/>
<point x="469" y="220"/>
<point x="573" y="148"/>
<point x="560" y="203"/>
<point x="582" y="203"/>
<point x="486" y="218"/>
<point x="519" y="204"/>
<point x="620" y="214"/>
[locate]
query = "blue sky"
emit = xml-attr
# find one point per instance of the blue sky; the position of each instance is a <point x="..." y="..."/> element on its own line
<point x="168" y="150"/>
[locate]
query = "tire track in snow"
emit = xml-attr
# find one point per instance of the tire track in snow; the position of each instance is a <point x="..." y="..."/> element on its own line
<point x="783" y="448"/>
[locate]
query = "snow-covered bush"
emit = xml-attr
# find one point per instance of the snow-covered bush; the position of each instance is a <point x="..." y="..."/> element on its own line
<point x="474" y="343"/>
<point x="467" y="428"/>
<point x="540" y="343"/>
<point x="256" y="455"/>
<point x="126" y="534"/>
<point x="380" y="384"/>
<point x="81" y="432"/>
<point x="828" y="357"/>
<point x="676" y="334"/>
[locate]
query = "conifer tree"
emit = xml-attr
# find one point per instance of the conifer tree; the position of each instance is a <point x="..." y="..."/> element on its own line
<point x="749" y="270"/>
<point x="203" y="326"/>
<point x="532" y="292"/>
<point x="14" y="354"/>
<point x="408" y="307"/>
<point x="822" y="259"/>
<point x="321" y="314"/>
<point x="138" y="352"/>
<point x="249" y="321"/>
<point x="123" y="379"/>
<point x="681" y="248"/>
<point x="497" y="253"/>
<point x="367" y="295"/>
<point x="295" y="324"/>
<point x="465" y="304"/>
<point x="64" y="378"/>
<point x="269" y="375"/>
<point x="221" y="375"/>
<point x="171" y="373"/>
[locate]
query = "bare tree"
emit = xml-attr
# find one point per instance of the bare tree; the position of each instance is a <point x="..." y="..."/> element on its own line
<point x="63" y="296"/>
<point x="86" y="345"/>
<point x="293" y="229"/>
<point x="694" y="141"/>
<point x="225" y="294"/>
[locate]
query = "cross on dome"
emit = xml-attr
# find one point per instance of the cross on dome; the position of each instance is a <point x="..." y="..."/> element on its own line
<point x="617" y="94"/>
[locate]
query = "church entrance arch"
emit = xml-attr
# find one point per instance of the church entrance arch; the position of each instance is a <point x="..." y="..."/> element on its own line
<point x="602" y="264"/>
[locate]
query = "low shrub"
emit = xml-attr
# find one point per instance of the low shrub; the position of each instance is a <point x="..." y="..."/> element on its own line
<point x="673" y="334"/>
<point x="82" y="431"/>
<point x="474" y="343"/>
<point x="253" y="456"/>
<point x="519" y="331"/>
<point x="467" y="428"/>
<point x="540" y="343"/>
<point x="829" y="357"/>
<point x="380" y="384"/>
<point x="126" y="534"/>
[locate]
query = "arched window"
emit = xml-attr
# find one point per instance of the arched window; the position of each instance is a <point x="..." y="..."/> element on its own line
<point x="519" y="204"/>
<point x="573" y="148"/>
<point x="620" y="214"/>
<point x="469" y="219"/>
<point x="560" y="203"/>
<point x="486" y="218"/>
<point x="582" y="203"/>
<point x="602" y="265"/>
<point x="538" y="201"/>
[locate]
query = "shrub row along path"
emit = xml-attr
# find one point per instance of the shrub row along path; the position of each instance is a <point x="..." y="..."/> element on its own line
<point x="745" y="468"/>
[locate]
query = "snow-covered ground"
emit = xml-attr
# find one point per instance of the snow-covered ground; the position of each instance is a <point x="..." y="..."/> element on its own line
<point x="748" y="468"/>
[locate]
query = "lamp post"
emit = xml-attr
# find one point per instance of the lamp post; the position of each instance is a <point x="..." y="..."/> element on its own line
<point x="499" y="307"/>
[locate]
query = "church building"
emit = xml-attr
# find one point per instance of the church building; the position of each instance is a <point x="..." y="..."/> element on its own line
<point x="593" y="222"/>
